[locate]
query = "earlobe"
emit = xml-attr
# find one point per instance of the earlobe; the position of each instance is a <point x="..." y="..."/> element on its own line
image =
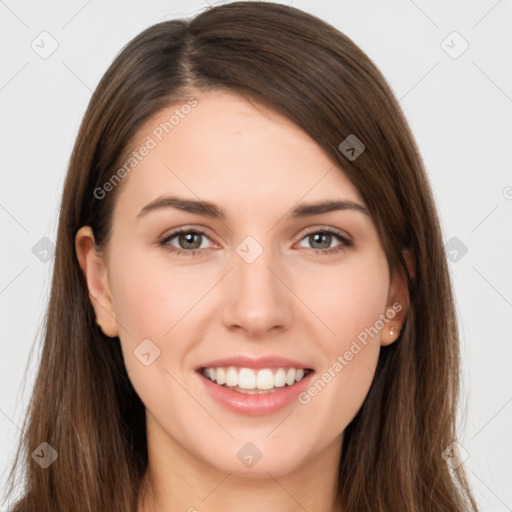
<point x="389" y="334"/>
<point x="95" y="272"/>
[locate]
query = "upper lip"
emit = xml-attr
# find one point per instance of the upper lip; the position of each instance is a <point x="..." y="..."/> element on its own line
<point x="260" y="362"/>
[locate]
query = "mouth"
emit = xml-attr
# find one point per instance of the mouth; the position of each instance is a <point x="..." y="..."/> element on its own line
<point x="254" y="381"/>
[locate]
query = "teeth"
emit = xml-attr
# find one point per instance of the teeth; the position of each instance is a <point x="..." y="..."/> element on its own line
<point x="218" y="375"/>
<point x="249" y="379"/>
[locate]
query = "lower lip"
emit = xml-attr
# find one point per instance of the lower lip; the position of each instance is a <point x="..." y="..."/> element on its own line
<point x="254" y="404"/>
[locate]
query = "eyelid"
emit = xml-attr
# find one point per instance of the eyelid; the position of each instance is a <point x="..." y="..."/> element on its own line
<point x="329" y="229"/>
<point x="205" y="230"/>
<point x="197" y="228"/>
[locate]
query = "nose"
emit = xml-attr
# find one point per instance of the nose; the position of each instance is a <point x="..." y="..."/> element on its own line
<point x="257" y="298"/>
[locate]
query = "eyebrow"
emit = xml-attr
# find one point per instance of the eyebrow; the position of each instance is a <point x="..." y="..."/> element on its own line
<point x="211" y="210"/>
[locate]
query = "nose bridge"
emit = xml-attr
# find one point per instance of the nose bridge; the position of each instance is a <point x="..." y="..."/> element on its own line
<point x="257" y="300"/>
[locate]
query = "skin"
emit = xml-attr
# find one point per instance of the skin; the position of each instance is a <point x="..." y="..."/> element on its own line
<point x="256" y="165"/>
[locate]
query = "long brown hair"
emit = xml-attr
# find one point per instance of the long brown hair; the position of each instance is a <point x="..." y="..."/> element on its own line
<point x="83" y="403"/>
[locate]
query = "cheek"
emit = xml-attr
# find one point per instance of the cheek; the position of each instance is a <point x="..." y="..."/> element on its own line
<point x="149" y="302"/>
<point x="348" y="298"/>
<point x="158" y="301"/>
<point x="150" y="297"/>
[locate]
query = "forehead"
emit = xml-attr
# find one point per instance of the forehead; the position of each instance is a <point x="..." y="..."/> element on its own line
<point x="239" y="154"/>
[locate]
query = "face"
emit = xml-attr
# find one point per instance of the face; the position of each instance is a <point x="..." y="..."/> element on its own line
<point x="254" y="281"/>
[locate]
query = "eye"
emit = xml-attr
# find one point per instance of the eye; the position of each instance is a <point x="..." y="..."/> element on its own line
<point x="323" y="239"/>
<point x="189" y="241"/>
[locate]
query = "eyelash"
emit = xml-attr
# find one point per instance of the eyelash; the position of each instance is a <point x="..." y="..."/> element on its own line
<point x="345" y="243"/>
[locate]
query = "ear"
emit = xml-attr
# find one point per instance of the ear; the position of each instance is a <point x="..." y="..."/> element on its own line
<point x="95" y="272"/>
<point x="398" y="301"/>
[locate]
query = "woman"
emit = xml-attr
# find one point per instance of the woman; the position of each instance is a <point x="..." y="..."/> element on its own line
<point x="250" y="307"/>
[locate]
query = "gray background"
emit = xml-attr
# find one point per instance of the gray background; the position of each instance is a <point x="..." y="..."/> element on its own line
<point x="459" y="106"/>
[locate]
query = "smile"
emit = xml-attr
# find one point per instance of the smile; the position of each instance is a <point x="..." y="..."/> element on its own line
<point x="237" y="389"/>
<point x="249" y="381"/>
